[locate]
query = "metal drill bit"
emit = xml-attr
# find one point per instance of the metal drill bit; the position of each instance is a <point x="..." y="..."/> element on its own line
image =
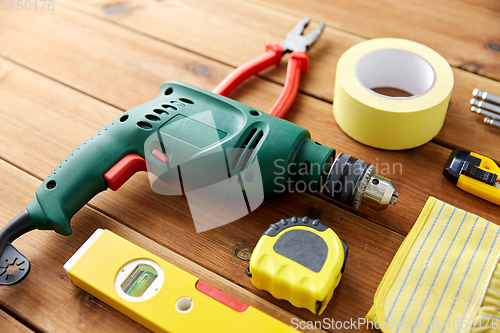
<point x="485" y="105"/>
<point x="488" y="114"/>
<point x="488" y="97"/>
<point x="492" y="122"/>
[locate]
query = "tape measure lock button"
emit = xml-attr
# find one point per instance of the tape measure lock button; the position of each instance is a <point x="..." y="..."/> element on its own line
<point x="300" y="260"/>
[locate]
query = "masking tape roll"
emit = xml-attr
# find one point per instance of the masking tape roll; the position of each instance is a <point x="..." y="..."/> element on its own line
<point x="392" y="122"/>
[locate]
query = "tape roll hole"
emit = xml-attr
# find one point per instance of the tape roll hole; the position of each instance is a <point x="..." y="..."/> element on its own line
<point x="184" y="304"/>
<point x="404" y="73"/>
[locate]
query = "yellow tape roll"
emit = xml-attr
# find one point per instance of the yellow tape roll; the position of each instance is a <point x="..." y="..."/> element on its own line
<point x="392" y="122"/>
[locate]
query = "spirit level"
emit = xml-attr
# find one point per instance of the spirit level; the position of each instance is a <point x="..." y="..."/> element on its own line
<point x="157" y="294"/>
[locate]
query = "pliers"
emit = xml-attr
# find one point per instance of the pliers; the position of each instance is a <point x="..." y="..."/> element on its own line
<point x="298" y="63"/>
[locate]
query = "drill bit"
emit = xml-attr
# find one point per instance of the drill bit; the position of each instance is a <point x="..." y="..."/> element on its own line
<point x="488" y="114"/>
<point x="486" y="96"/>
<point x="485" y="105"/>
<point x="492" y="122"/>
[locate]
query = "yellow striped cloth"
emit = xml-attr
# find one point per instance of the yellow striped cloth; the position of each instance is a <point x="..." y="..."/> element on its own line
<point x="439" y="277"/>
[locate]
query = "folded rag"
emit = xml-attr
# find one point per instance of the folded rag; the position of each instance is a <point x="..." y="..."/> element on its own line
<point x="443" y="277"/>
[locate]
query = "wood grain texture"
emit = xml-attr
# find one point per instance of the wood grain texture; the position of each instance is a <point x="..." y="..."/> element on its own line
<point x="9" y="324"/>
<point x="81" y="71"/>
<point x="311" y="113"/>
<point x="443" y="25"/>
<point x="166" y="219"/>
<point x="487" y="5"/>
<point x="49" y="300"/>
<point x="208" y="34"/>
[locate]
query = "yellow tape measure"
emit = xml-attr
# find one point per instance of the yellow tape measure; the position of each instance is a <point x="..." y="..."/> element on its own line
<point x="300" y="260"/>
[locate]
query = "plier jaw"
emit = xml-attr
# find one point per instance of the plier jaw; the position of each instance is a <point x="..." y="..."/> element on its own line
<point x="296" y="41"/>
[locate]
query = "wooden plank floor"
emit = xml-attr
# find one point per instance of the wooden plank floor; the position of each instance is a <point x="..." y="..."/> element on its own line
<point x="65" y="74"/>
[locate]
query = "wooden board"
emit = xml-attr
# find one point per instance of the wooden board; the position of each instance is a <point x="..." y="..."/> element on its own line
<point x="488" y="5"/>
<point x="209" y="36"/>
<point x="418" y="183"/>
<point x="55" y="306"/>
<point x="48" y="298"/>
<point x="442" y="25"/>
<point x="166" y="219"/>
<point x="68" y="72"/>
<point x="11" y="325"/>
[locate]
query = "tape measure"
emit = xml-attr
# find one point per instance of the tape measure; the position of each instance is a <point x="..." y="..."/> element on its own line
<point x="474" y="173"/>
<point x="300" y="260"/>
<point x="157" y="294"/>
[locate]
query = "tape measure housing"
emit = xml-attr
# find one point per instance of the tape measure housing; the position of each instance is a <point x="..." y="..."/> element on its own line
<point x="300" y="260"/>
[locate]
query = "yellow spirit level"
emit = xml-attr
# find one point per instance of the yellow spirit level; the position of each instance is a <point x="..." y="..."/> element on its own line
<point x="300" y="260"/>
<point x="475" y="174"/>
<point x="157" y="294"/>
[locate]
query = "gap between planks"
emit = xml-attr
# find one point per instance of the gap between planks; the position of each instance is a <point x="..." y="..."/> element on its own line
<point x="254" y="92"/>
<point x="92" y="216"/>
<point x="13" y="324"/>
<point x="46" y="93"/>
<point x="18" y="166"/>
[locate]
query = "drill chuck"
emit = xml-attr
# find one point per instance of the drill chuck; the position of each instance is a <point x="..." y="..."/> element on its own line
<point x="380" y="193"/>
<point x="353" y="182"/>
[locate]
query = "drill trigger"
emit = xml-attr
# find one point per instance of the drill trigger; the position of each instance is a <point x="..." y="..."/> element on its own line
<point x="125" y="168"/>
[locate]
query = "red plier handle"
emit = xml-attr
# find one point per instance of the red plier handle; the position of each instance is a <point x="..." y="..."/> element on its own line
<point x="273" y="55"/>
<point x="298" y="63"/>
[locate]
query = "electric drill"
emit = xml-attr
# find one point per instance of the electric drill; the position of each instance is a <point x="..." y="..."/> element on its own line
<point x="116" y="152"/>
